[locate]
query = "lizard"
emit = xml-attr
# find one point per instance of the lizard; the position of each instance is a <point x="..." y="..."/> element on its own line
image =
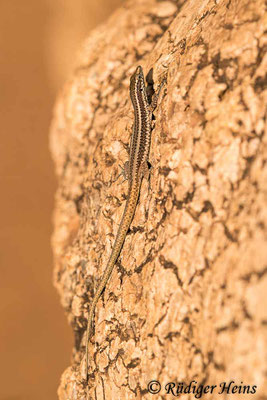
<point x="134" y="171"/>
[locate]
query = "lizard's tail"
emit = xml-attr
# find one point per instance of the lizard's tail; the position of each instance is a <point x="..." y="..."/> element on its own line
<point x="89" y="332"/>
<point x="121" y="234"/>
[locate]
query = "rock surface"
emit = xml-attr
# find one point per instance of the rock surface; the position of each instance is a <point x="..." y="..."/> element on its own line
<point x="185" y="300"/>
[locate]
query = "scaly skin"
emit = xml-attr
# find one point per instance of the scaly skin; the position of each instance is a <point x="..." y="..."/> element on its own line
<point x="137" y="168"/>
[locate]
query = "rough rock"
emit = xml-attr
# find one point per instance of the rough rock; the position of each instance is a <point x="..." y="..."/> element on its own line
<point x="186" y="298"/>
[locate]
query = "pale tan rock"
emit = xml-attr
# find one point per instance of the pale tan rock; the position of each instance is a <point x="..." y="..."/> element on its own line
<point x="186" y="298"/>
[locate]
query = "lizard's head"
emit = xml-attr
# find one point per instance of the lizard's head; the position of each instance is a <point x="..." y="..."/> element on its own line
<point x="137" y="79"/>
<point x="139" y="72"/>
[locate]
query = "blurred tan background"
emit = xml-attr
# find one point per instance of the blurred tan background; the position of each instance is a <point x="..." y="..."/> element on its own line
<point x="38" y="40"/>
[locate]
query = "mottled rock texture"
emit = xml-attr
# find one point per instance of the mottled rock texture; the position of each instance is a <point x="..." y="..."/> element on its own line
<point x="186" y="298"/>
